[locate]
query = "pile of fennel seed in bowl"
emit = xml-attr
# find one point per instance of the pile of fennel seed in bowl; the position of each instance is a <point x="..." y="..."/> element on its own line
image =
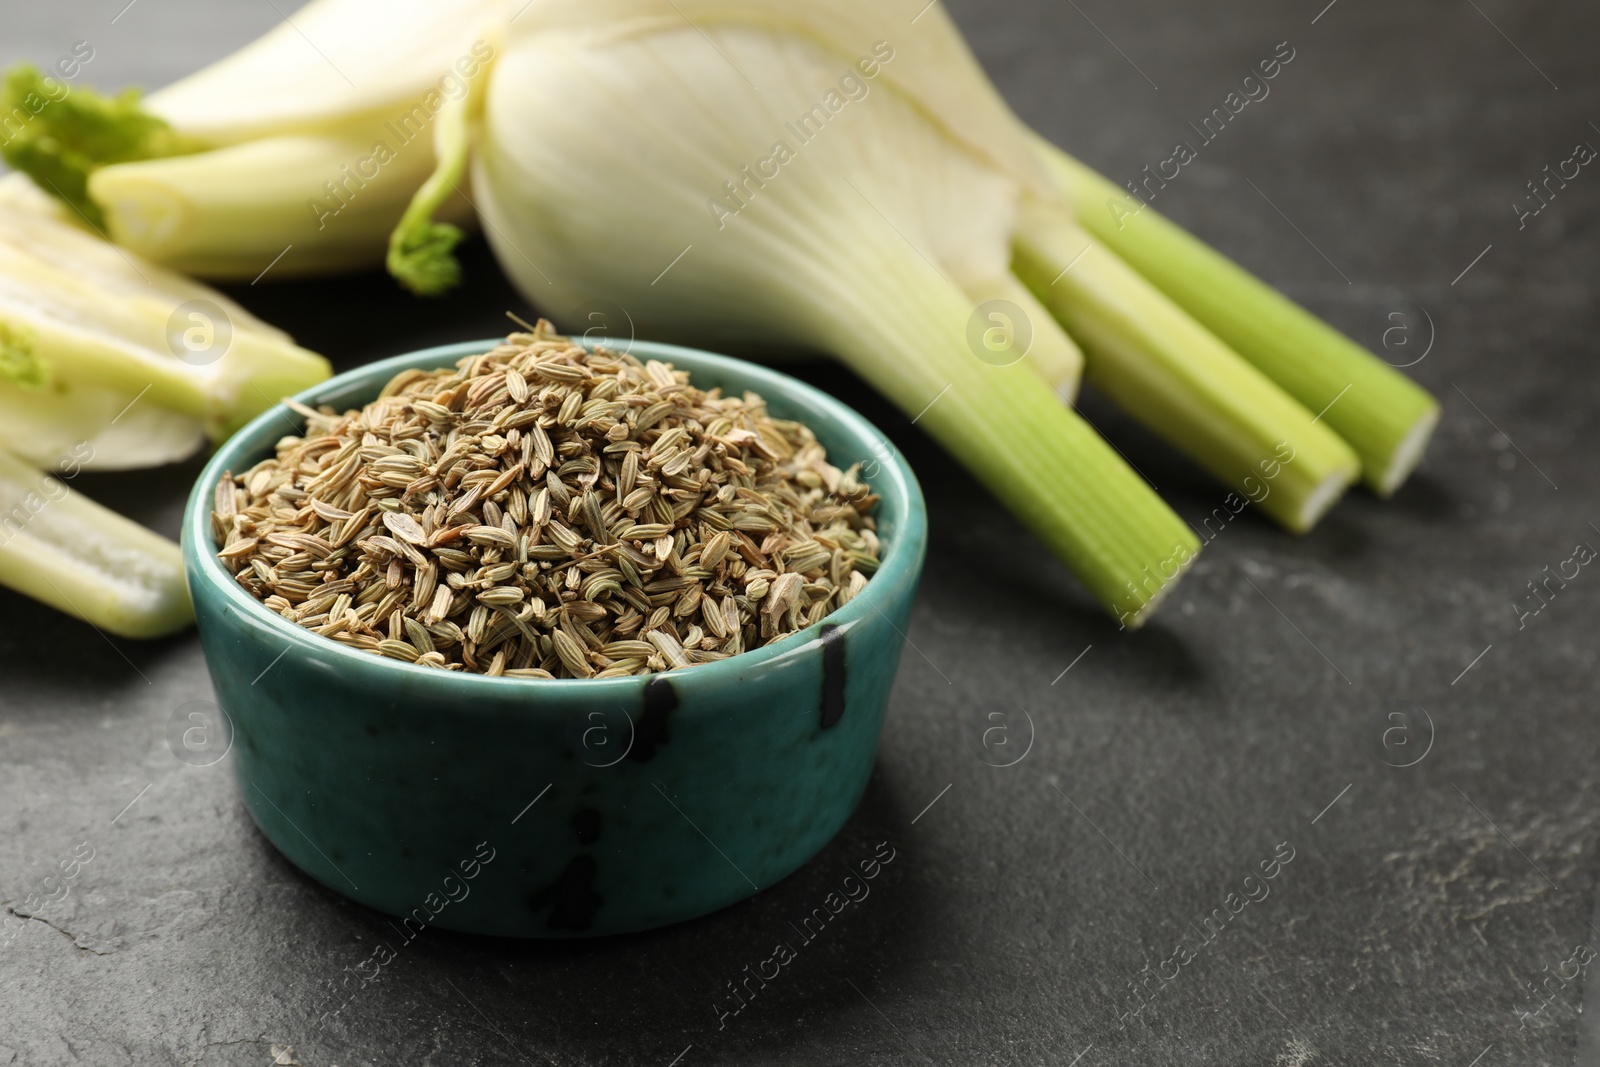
<point x="543" y="511"/>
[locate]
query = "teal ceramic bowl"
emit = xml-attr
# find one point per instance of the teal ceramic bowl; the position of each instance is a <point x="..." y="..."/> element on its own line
<point x="534" y="808"/>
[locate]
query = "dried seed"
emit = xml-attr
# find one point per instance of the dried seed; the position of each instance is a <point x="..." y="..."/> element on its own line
<point x="491" y="535"/>
<point x="405" y="527"/>
<point x="715" y="549"/>
<point x="570" y="654"/>
<point x="649" y="531"/>
<point x="240" y="548"/>
<point x="517" y="386"/>
<point x="439" y="610"/>
<point x="419" y="636"/>
<point x="398" y="650"/>
<point x="501" y="596"/>
<point x="670" y="649"/>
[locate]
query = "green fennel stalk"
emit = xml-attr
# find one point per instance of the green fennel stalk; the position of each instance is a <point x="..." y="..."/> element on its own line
<point x="1173" y="375"/>
<point x="64" y="549"/>
<point x="1386" y="418"/>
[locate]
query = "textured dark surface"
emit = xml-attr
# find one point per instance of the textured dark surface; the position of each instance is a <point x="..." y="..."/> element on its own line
<point x="1164" y="766"/>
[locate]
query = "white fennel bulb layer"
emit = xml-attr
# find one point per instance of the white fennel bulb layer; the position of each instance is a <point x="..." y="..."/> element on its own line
<point x="631" y="165"/>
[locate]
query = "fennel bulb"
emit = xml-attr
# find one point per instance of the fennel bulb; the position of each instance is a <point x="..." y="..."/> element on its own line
<point x="825" y="210"/>
<point x="1168" y="369"/>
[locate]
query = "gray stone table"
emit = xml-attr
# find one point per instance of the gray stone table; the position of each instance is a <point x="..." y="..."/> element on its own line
<point x="1025" y="903"/>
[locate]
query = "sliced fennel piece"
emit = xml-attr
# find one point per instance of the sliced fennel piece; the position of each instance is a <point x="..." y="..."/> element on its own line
<point x="297" y="204"/>
<point x="861" y="243"/>
<point x="100" y="429"/>
<point x="67" y="136"/>
<point x="1385" y="417"/>
<point x="371" y="59"/>
<point x="63" y="549"/>
<point x="308" y="152"/>
<point x="1177" y="378"/>
<point x="93" y="319"/>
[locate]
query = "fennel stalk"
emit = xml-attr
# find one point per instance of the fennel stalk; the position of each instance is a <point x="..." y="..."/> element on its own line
<point x="62" y="548"/>
<point x="1383" y="415"/>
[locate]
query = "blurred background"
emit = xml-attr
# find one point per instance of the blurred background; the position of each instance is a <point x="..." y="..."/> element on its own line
<point x="1441" y="889"/>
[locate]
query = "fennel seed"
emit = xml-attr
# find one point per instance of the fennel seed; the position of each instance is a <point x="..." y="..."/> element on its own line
<point x="541" y="511"/>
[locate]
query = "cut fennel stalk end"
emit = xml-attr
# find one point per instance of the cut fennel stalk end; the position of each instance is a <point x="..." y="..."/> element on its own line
<point x="65" y="550"/>
<point x="1383" y="415"/>
<point x="1177" y="378"/>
